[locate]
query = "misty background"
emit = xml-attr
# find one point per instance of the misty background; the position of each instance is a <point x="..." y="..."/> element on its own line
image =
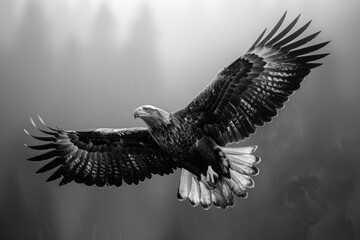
<point x="87" y="64"/>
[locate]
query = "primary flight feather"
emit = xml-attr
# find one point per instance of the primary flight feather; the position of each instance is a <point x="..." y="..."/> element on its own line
<point x="242" y="96"/>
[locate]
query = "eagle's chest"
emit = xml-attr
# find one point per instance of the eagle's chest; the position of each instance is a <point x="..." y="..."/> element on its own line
<point x="176" y="139"/>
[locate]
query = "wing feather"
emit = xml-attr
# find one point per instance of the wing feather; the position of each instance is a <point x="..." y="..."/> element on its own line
<point x="273" y="31"/>
<point x="249" y="91"/>
<point x="282" y="33"/>
<point x="100" y="156"/>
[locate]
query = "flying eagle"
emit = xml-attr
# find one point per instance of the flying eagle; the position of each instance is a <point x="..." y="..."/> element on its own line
<point x="241" y="96"/>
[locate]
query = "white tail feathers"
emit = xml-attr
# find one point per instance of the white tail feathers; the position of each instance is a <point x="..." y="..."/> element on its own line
<point x="242" y="168"/>
<point x="190" y="187"/>
<point x="239" y="150"/>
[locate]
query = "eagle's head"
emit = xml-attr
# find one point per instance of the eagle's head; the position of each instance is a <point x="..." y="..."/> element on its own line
<point x="152" y="115"/>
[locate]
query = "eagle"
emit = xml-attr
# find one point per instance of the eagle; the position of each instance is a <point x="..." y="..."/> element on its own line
<point x="195" y="139"/>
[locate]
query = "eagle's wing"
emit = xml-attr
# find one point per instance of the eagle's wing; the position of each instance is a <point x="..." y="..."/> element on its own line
<point x="249" y="91"/>
<point x="102" y="156"/>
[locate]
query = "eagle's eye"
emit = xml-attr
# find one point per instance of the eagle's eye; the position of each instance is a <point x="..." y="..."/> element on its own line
<point x="148" y="110"/>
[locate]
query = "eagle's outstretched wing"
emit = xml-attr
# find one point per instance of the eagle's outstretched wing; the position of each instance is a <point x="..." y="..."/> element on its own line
<point x="249" y="91"/>
<point x="102" y="156"/>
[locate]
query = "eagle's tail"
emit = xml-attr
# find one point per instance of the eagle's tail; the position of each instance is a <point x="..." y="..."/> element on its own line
<point x="241" y="166"/>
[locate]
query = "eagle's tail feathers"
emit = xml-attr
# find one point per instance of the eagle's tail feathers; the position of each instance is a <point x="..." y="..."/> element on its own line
<point x="194" y="194"/>
<point x="241" y="168"/>
<point x="237" y="150"/>
<point x="185" y="185"/>
<point x="235" y="186"/>
<point x="190" y="187"/>
<point x="205" y="196"/>
<point x="222" y="196"/>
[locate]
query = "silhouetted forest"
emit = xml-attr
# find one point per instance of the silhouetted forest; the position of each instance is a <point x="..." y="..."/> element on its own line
<point x="308" y="186"/>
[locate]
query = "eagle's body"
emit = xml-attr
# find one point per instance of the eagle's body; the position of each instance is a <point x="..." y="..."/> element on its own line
<point x="242" y="96"/>
<point x="187" y="144"/>
<point x="175" y="137"/>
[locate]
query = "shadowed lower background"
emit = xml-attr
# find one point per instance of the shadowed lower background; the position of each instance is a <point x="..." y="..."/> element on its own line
<point x="87" y="64"/>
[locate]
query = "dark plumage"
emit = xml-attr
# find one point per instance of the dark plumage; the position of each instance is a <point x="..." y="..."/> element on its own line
<point x="242" y="96"/>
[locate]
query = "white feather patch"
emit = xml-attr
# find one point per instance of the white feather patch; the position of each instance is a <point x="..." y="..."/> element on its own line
<point x="247" y="160"/>
<point x="244" y="180"/>
<point x="238" y="189"/>
<point x="205" y="198"/>
<point x="244" y="169"/>
<point x="194" y="195"/>
<point x="238" y="150"/>
<point x="185" y="185"/>
<point x="218" y="197"/>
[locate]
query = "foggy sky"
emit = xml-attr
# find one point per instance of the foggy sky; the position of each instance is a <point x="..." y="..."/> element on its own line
<point x="87" y="64"/>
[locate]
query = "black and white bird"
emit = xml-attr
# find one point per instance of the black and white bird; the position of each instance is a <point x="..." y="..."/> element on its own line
<point x="243" y="95"/>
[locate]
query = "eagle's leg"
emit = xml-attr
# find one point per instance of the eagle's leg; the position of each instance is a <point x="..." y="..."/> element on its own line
<point x="211" y="179"/>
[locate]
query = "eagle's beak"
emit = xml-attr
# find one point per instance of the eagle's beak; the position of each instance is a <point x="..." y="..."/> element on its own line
<point x="139" y="112"/>
<point x="136" y="113"/>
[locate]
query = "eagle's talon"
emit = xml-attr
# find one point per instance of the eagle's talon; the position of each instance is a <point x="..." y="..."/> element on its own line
<point x="211" y="177"/>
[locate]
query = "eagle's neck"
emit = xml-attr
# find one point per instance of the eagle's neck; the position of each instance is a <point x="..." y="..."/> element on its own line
<point x="166" y="120"/>
<point x="165" y="132"/>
